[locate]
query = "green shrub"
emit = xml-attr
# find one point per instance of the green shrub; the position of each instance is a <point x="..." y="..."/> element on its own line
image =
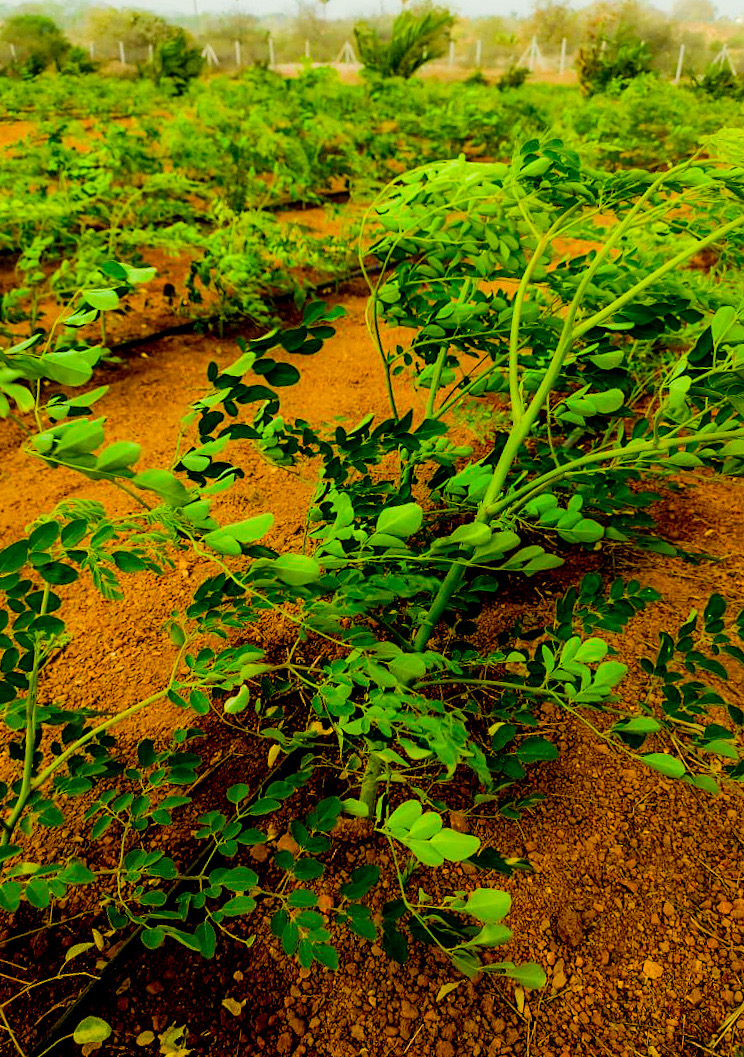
<point x="176" y="63"/>
<point x="476" y="79"/>
<point x="605" y="65"/>
<point x="720" y="82"/>
<point x="513" y="77"/>
<point x="77" y="61"/>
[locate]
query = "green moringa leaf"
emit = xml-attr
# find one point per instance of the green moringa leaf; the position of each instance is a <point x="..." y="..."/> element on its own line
<point x="400" y="521"/>
<point x="92" y="1029"/>
<point x="103" y="300"/>
<point x="665" y="764"/>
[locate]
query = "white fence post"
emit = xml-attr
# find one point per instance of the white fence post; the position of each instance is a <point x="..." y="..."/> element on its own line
<point x="562" y="63"/>
<point x="680" y="60"/>
<point x="307" y="49"/>
<point x="722" y="58"/>
<point x="92" y="50"/>
<point x="478" y="53"/>
<point x="452" y="53"/>
<point x="210" y="55"/>
<point x="150" y="54"/>
<point x="122" y="53"/>
<point x="272" y="57"/>
<point x="238" y="56"/>
<point x="347" y="54"/>
<point x="13" y="52"/>
<point x="532" y="56"/>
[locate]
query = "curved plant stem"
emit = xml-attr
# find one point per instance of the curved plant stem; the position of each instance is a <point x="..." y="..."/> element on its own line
<point x="10" y="1031"/>
<point x="24" y="792"/>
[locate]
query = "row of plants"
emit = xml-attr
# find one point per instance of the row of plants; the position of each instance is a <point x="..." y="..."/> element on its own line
<point x="603" y="379"/>
<point x="179" y="175"/>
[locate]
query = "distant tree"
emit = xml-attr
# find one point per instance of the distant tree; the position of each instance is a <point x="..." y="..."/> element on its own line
<point x="234" y="26"/>
<point x="104" y="27"/>
<point x="694" y="11"/>
<point x="38" y="39"/>
<point x="417" y="37"/>
<point x="551" y="21"/>
<point x="627" y="22"/>
<point x="326" y="36"/>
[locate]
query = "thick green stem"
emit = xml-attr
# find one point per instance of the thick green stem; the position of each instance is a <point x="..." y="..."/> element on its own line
<point x="544" y="242"/>
<point x="636" y="450"/>
<point x="368" y="791"/>
<point x="523" y="422"/>
<point x="451" y="582"/>
<point x="434" y="383"/>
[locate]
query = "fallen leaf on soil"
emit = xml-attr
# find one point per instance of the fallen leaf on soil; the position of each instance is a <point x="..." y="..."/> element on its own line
<point x="98" y="939"/>
<point x="171" y="1042"/>
<point x="233" y="1006"/>
<point x="519" y="999"/>
<point x="287" y="843"/>
<point x="459" y="822"/>
<point x="273" y="753"/>
<point x="447" y="989"/>
<point x="145" y="1038"/>
<point x="652" y="969"/>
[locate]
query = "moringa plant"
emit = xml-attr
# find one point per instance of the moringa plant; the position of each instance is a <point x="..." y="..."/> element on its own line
<point x="383" y="689"/>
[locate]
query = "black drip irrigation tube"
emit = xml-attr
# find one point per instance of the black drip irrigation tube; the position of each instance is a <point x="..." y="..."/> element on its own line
<point x="281" y="297"/>
<point x="65" y="1025"/>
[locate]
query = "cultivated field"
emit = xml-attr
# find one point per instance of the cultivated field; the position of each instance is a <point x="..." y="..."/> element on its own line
<point x="372" y="574"/>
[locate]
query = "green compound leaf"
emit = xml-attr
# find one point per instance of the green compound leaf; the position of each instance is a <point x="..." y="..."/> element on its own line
<point x="534" y="748"/>
<point x="363" y="878"/>
<point x="164" y="484"/>
<point x="250" y="530"/>
<point x="637" y="725"/>
<point x="326" y="955"/>
<point x="404" y="816"/>
<point x="237" y="792"/>
<point x="238" y="905"/>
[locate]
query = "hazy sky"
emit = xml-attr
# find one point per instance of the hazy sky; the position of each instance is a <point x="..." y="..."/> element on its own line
<point x="351" y="8"/>
<point x="362" y="8"/>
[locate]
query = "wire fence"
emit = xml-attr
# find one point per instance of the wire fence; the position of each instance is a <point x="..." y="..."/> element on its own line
<point x="223" y="55"/>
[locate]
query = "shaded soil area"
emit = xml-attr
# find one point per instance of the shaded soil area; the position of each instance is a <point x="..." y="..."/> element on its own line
<point x="635" y="905"/>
